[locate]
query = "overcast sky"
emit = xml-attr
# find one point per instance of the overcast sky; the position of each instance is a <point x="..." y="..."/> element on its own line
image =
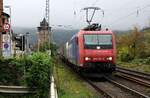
<point x="119" y="14"/>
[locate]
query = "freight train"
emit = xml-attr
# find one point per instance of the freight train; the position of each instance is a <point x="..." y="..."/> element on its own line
<point x="91" y="50"/>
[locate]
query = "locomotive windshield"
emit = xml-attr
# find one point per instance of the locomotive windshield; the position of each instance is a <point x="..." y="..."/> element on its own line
<point x="98" y="41"/>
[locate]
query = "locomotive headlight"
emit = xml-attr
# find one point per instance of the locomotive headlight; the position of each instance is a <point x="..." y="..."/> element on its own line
<point x="87" y="58"/>
<point x="109" y="58"/>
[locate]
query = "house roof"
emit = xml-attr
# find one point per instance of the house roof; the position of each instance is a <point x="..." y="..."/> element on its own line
<point x="5" y="14"/>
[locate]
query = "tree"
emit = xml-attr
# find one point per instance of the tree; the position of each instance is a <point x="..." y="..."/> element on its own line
<point x="46" y="46"/>
<point x="131" y="45"/>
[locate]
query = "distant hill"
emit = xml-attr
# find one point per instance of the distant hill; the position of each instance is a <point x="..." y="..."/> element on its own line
<point x="32" y="32"/>
<point x="24" y="30"/>
<point x="146" y="29"/>
<point x="60" y="36"/>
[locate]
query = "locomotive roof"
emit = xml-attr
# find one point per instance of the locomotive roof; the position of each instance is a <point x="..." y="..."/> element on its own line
<point x="91" y="32"/>
<point x="96" y="32"/>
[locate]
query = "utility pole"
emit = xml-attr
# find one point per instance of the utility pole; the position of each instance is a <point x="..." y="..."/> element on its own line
<point x="48" y="20"/>
<point x="47" y="11"/>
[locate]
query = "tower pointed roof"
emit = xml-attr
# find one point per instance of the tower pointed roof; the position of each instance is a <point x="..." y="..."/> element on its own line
<point x="44" y="22"/>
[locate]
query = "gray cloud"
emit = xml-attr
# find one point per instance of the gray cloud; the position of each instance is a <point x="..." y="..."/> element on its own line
<point x="28" y="13"/>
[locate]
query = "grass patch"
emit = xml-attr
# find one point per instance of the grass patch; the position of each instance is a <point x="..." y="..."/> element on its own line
<point x="69" y="85"/>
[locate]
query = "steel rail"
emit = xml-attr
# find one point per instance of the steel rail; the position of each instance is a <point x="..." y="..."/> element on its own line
<point x="130" y="78"/>
<point x="126" y="88"/>
<point x="99" y="90"/>
<point x="133" y="73"/>
<point x="15" y="90"/>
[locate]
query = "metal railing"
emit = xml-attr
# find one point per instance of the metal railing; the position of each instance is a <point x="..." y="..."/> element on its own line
<point x="15" y="90"/>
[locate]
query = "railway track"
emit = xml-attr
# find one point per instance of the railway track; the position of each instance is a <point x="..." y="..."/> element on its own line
<point x="113" y="89"/>
<point x="134" y="79"/>
<point x="137" y="84"/>
<point x="138" y="77"/>
<point x="136" y="93"/>
<point x="100" y="90"/>
<point x="141" y="75"/>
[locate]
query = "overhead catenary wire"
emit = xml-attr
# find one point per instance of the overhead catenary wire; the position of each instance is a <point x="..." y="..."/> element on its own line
<point x="93" y="4"/>
<point x="75" y="12"/>
<point x="120" y="8"/>
<point x="136" y="12"/>
<point x="74" y="8"/>
<point x="103" y="13"/>
<point x="96" y="1"/>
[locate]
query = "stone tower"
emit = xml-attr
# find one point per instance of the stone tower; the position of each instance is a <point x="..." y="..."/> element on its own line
<point x="44" y="34"/>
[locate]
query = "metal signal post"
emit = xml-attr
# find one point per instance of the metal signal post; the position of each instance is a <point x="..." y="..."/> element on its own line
<point x="20" y="42"/>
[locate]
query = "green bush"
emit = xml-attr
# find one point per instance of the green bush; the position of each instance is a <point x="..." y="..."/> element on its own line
<point x="142" y="61"/>
<point x="147" y="61"/>
<point x="125" y="57"/>
<point x="38" y="73"/>
<point x="11" y="71"/>
<point x="46" y="46"/>
<point x="33" y="71"/>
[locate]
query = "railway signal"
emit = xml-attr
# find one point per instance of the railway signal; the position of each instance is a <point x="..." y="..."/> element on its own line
<point x="20" y="42"/>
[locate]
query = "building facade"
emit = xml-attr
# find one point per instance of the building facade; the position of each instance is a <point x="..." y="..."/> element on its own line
<point x="1" y="10"/>
<point x="4" y="18"/>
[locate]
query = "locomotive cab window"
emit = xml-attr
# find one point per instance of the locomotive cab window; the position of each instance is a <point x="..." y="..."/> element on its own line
<point x="92" y="41"/>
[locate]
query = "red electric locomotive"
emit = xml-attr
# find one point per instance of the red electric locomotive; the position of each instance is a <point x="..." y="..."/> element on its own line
<point x="92" y="49"/>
